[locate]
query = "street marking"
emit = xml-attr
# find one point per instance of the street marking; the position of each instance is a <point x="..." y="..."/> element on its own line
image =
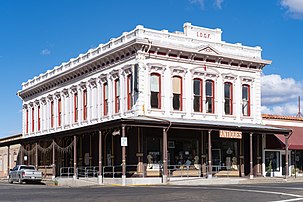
<point x="265" y="192"/>
<point x="294" y="199"/>
<point x="274" y="187"/>
<point x="297" y="197"/>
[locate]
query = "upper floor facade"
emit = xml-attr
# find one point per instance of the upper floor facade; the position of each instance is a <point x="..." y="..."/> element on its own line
<point x="184" y="75"/>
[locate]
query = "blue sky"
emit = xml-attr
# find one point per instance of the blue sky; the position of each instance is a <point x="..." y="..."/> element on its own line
<point x="38" y="35"/>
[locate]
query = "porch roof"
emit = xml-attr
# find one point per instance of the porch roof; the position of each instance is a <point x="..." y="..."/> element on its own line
<point x="207" y="125"/>
<point x="295" y="141"/>
<point x="147" y="121"/>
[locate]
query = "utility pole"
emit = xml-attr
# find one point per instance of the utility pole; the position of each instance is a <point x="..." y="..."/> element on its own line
<point x="299" y="114"/>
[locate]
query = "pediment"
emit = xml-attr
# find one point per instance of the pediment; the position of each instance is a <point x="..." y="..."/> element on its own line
<point x="208" y="50"/>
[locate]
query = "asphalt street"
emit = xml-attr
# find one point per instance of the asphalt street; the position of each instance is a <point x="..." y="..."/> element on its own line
<point x="267" y="192"/>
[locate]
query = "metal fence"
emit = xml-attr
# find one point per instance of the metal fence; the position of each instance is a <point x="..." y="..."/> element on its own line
<point x="184" y="170"/>
<point x="146" y="170"/>
<point x="116" y="171"/>
<point x="67" y="172"/>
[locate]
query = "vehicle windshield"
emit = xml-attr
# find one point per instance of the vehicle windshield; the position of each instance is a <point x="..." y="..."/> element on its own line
<point x="27" y="168"/>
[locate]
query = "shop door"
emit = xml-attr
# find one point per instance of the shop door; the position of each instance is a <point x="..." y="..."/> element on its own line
<point x="283" y="164"/>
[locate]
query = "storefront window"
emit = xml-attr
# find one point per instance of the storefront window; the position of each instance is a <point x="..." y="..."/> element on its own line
<point x="272" y="161"/>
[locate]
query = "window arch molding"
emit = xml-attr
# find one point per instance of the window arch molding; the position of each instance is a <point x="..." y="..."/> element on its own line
<point x="156" y="68"/>
<point x="155" y="90"/>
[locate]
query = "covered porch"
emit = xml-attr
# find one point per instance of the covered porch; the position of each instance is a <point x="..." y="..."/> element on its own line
<point x="150" y="148"/>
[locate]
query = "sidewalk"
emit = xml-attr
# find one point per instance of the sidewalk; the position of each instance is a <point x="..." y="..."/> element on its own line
<point x="176" y="181"/>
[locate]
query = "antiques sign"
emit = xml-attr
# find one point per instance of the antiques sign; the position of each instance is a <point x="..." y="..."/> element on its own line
<point x="230" y="134"/>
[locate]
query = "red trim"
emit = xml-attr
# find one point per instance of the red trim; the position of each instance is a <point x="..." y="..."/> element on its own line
<point x="59" y="112"/>
<point x="39" y="118"/>
<point x="129" y="92"/>
<point x="26" y="121"/>
<point x="201" y="94"/>
<point x="248" y="99"/>
<point x="212" y="97"/>
<point x="105" y="100"/>
<point x="75" y="107"/>
<point x="230" y="97"/>
<point x="117" y="97"/>
<point x="181" y="93"/>
<point x="52" y="114"/>
<point x="84" y="105"/>
<point x="33" y="119"/>
<point x="160" y="92"/>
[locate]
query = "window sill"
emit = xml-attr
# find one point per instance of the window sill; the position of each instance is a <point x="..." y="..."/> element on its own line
<point x="75" y="124"/>
<point x="177" y="112"/>
<point x="229" y="116"/>
<point x="155" y="110"/>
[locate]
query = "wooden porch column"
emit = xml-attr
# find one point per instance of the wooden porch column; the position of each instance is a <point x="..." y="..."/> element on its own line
<point x="140" y="168"/>
<point x="258" y="171"/>
<point x="75" y="157"/>
<point x="251" y="155"/>
<point x="286" y="156"/>
<point x="8" y="159"/>
<point x="203" y="156"/>
<point x="242" y="173"/>
<point x="54" y="158"/>
<point x="21" y="155"/>
<point x="36" y="156"/>
<point x="209" y="156"/>
<point x="100" y="158"/>
<point x="123" y="159"/>
<point x="164" y="156"/>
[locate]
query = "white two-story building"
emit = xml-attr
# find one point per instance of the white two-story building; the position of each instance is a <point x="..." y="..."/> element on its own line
<point x="151" y="99"/>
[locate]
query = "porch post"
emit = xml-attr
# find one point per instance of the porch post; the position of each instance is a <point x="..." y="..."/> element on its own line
<point x="100" y="158"/>
<point x="209" y="156"/>
<point x="36" y="156"/>
<point x="21" y="154"/>
<point x="140" y="168"/>
<point x="203" y="156"/>
<point x="286" y="156"/>
<point x="251" y="155"/>
<point x="8" y="159"/>
<point x="54" y="165"/>
<point x="164" y="156"/>
<point x="75" y="158"/>
<point x="123" y="159"/>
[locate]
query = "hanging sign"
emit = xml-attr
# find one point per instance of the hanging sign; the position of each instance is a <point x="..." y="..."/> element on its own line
<point x="230" y="134"/>
<point x="123" y="141"/>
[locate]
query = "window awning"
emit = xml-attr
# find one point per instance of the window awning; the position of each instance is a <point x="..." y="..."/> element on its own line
<point x="295" y="141"/>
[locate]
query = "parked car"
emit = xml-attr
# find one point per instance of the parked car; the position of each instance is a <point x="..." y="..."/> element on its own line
<point x="24" y="173"/>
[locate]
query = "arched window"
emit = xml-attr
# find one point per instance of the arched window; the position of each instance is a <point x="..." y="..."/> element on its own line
<point x="59" y="112"/>
<point x="197" y="86"/>
<point x="26" y="121"/>
<point x="155" y="91"/>
<point x="39" y="118"/>
<point x="117" y="95"/>
<point x="129" y="92"/>
<point x="210" y="98"/>
<point x="75" y="107"/>
<point x="84" y="105"/>
<point x="228" y="98"/>
<point x="245" y="100"/>
<point x="52" y="113"/>
<point x="105" y="99"/>
<point x="177" y="93"/>
<point x="33" y="119"/>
